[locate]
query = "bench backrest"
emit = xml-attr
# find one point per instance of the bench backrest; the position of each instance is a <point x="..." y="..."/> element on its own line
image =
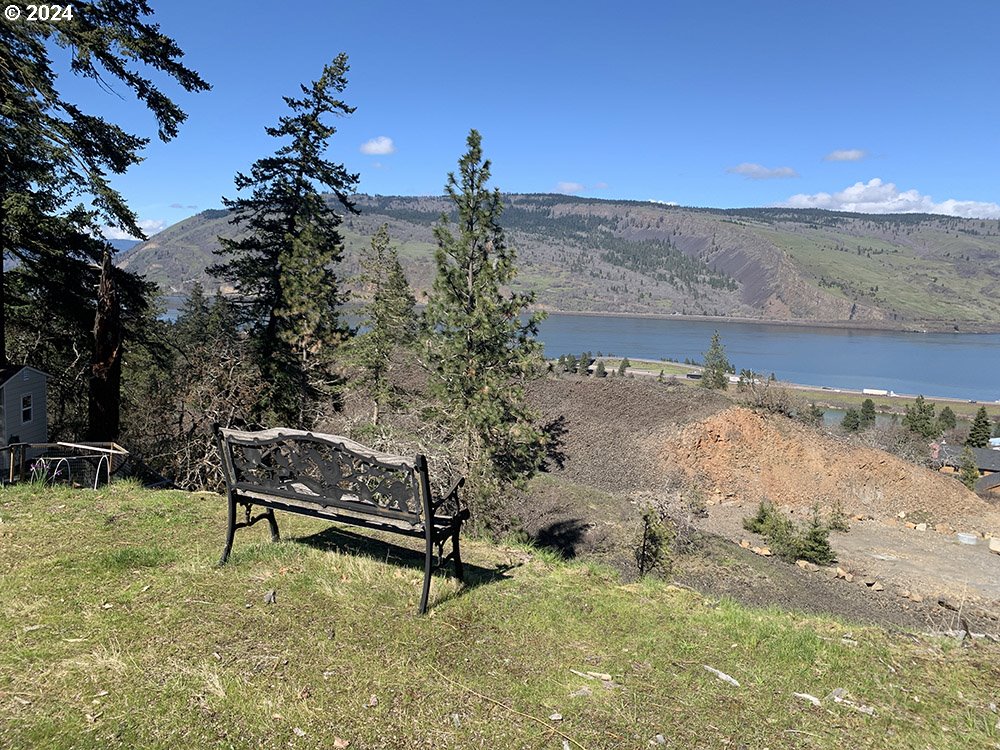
<point x="325" y="470"/>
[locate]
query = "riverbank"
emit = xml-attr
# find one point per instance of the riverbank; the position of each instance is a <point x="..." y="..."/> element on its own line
<point x="823" y="396"/>
<point x="897" y="326"/>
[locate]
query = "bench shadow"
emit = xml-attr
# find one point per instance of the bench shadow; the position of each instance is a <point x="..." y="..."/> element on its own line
<point x="340" y="540"/>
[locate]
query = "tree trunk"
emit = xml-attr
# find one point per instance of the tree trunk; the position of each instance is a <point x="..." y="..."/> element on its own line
<point x="104" y="422"/>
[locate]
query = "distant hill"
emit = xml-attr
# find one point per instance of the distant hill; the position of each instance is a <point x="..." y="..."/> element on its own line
<point x="588" y="255"/>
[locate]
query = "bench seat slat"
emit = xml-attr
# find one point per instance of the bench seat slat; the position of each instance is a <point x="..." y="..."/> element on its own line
<point x="304" y="500"/>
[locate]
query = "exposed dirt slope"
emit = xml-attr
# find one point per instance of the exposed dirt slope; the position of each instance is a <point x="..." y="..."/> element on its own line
<point x="746" y="456"/>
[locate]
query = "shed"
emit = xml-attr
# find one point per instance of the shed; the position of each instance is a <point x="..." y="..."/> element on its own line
<point x="23" y="415"/>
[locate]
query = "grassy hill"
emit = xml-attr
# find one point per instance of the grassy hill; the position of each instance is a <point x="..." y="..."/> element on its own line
<point x="591" y="255"/>
<point x="120" y="633"/>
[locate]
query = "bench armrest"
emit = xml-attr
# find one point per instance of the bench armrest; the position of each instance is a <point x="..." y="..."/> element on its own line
<point x="451" y="495"/>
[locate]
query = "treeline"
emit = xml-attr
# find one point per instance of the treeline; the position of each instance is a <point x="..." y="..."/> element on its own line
<point x="279" y="352"/>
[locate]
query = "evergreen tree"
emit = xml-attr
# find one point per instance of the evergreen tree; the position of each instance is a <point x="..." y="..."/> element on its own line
<point x="715" y="373"/>
<point x="389" y="317"/>
<point x="996" y="428"/>
<point x="601" y="371"/>
<point x="289" y="240"/>
<point x="968" y="472"/>
<point x="919" y="418"/>
<point x="867" y="415"/>
<point x="851" y="421"/>
<point x="481" y="351"/>
<point x="946" y="419"/>
<point x="55" y="192"/>
<point x="571" y="363"/>
<point x="979" y="433"/>
<point x="623" y="366"/>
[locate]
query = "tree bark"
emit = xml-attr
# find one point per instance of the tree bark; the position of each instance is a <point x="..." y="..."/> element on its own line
<point x="104" y="414"/>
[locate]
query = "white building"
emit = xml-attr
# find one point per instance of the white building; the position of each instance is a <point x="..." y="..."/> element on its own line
<point x="22" y="406"/>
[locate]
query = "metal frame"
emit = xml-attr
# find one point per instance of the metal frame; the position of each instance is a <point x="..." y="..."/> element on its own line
<point x="269" y="476"/>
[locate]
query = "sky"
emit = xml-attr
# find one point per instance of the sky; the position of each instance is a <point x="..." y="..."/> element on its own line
<point x="864" y="106"/>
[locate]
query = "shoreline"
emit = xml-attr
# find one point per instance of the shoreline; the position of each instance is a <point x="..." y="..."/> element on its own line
<point x="938" y="326"/>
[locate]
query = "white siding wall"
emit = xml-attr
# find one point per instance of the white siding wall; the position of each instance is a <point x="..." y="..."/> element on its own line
<point x="37" y="430"/>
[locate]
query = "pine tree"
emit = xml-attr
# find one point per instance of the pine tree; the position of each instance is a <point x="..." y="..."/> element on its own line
<point x="282" y="263"/>
<point x="867" y="415"/>
<point x="389" y="317"/>
<point x="481" y="351"/>
<point x="919" y="418"/>
<point x="979" y="433"/>
<point x="715" y="373"/>
<point x="946" y="419"/>
<point x="851" y="421"/>
<point x="55" y="192"/>
<point x="601" y="371"/>
<point x="968" y="472"/>
<point x="623" y="366"/>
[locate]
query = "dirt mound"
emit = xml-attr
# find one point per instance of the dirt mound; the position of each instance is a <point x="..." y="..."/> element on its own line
<point x="746" y="456"/>
<point x="603" y="423"/>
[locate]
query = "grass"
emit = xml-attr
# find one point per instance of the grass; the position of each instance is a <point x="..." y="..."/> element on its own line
<point x="120" y="632"/>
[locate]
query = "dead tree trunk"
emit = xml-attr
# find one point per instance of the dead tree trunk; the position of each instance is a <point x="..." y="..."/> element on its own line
<point x="104" y="414"/>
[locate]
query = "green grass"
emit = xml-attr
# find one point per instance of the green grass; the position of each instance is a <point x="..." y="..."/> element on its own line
<point x="118" y="631"/>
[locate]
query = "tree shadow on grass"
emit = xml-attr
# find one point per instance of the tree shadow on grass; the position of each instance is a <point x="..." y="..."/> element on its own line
<point x="565" y="536"/>
<point x="343" y="541"/>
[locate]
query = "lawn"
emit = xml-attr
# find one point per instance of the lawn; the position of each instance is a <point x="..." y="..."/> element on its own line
<point x="119" y="632"/>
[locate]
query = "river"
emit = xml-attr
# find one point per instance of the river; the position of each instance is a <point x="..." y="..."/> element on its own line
<point x="956" y="365"/>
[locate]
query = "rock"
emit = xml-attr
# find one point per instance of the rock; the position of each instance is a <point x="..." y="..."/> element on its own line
<point x="995" y="545"/>
<point x="722" y="675"/>
<point x="915" y="597"/>
<point x="942" y="528"/>
<point x="910" y="525"/>
<point x="901" y="514"/>
<point x="870" y="582"/>
<point x="921" y="527"/>
<point x="762" y="551"/>
<point x="807" y="566"/>
<point x="581" y="693"/>
<point x="271" y="597"/>
<point x="849" y="578"/>
<point x="555" y="717"/>
<point x="841" y="573"/>
<point x="658" y="740"/>
<point x="857" y="517"/>
<point x="947" y="603"/>
<point x="806" y="697"/>
<point x="830" y="573"/>
<point x="878" y="586"/>
<point x="744" y="544"/>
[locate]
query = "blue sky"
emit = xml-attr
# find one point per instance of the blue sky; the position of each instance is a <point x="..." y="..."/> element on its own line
<point x="869" y="106"/>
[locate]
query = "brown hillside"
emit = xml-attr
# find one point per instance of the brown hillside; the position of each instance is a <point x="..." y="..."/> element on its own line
<point x="746" y="456"/>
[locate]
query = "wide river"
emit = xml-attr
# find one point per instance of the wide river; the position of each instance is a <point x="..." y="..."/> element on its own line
<point x="957" y="365"/>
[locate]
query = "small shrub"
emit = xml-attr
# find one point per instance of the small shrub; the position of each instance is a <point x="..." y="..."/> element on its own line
<point x="838" y="519"/>
<point x="788" y="542"/>
<point x="653" y="549"/>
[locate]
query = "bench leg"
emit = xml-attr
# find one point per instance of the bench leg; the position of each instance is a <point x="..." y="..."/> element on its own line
<point x="273" y="523"/>
<point x="456" y="557"/>
<point x="230" y="533"/>
<point x="428" y="567"/>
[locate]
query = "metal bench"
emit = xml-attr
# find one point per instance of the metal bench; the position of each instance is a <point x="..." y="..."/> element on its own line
<point x="335" y="478"/>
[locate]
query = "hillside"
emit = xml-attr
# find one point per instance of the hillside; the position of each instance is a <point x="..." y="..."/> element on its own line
<point x="587" y="255"/>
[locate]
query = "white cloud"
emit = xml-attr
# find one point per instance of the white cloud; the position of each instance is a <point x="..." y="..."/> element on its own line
<point x="569" y="187"/>
<point x="148" y="226"/>
<point x="877" y="197"/>
<point x="378" y="146"/>
<point x="846" y="154"/>
<point x="663" y="203"/>
<point x="759" y="172"/>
